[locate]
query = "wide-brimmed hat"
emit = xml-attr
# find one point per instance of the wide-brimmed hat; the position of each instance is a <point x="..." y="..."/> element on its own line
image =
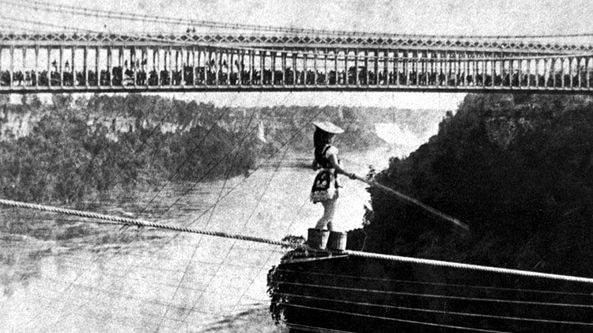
<point x="328" y="127"/>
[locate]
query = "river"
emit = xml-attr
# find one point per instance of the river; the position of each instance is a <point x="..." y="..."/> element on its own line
<point x="163" y="281"/>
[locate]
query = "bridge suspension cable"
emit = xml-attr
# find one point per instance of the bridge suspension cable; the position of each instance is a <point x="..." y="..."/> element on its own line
<point x="109" y="14"/>
<point x="333" y="57"/>
<point x="82" y="30"/>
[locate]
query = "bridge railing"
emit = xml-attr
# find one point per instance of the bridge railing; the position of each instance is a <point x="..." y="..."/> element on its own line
<point x="188" y="68"/>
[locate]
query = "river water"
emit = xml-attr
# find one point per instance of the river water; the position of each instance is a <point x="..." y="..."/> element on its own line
<point x="164" y="281"/>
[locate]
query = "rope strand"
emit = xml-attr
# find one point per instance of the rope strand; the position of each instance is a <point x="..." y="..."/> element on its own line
<point x="448" y="264"/>
<point x="109" y="219"/>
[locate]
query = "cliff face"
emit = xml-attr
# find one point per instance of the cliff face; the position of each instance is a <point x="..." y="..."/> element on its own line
<point x="518" y="169"/>
<point x="366" y="127"/>
<point x="353" y="294"/>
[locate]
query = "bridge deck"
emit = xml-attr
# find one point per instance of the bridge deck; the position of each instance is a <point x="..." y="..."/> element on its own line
<point x="166" y="67"/>
<point x="290" y="88"/>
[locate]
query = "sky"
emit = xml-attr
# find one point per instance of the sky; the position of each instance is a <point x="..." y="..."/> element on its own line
<point x="401" y="16"/>
<point x="450" y="17"/>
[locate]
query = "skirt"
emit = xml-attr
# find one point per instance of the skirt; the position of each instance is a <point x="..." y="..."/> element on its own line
<point x="324" y="186"/>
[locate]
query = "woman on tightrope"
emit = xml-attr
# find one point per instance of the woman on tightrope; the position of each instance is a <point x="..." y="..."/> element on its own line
<point x="326" y="184"/>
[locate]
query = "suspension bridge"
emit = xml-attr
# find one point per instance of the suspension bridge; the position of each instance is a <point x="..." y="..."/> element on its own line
<point x="95" y="62"/>
<point x="263" y="58"/>
<point x="38" y="57"/>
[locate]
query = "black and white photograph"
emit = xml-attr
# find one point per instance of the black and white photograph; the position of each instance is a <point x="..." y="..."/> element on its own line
<point x="294" y="166"/>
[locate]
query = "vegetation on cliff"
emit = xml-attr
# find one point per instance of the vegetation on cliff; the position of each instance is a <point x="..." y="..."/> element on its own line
<point x="73" y="153"/>
<point x="72" y="150"/>
<point x="517" y="168"/>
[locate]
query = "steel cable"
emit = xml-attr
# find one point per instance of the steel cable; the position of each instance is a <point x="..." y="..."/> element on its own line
<point x="440" y="312"/>
<point x="399" y="320"/>
<point x="439" y="296"/>
<point x="229" y="46"/>
<point x="90" y="12"/>
<point x="195" y="250"/>
<point x="244" y="224"/>
<point x="437" y="284"/>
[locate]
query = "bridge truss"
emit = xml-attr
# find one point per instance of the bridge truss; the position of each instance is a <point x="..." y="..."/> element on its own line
<point x="98" y="62"/>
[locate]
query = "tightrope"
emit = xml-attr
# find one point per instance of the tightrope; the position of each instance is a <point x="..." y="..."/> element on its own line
<point x="471" y="267"/>
<point x="110" y="219"/>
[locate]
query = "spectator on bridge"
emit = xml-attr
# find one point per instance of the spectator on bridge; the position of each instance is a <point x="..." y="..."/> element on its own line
<point x="325" y="185"/>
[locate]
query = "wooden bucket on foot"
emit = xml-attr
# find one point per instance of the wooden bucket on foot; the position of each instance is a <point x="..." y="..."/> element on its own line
<point x="317" y="239"/>
<point x="337" y="241"/>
